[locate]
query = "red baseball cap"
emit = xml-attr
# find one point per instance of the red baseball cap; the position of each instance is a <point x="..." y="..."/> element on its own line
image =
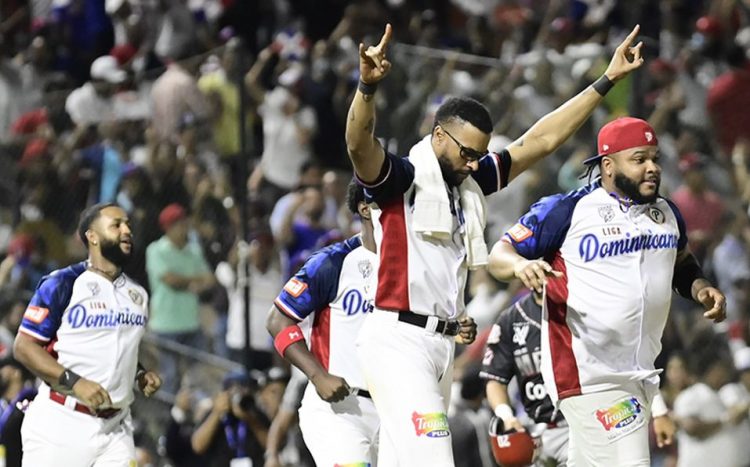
<point x="691" y="161"/>
<point x="621" y="134"/>
<point x="170" y="215"/>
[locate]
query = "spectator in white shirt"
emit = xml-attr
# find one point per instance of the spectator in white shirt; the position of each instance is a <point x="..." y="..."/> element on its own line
<point x="707" y="426"/>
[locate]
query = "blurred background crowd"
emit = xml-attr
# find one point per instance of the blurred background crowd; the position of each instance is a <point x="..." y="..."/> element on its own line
<point x="218" y="126"/>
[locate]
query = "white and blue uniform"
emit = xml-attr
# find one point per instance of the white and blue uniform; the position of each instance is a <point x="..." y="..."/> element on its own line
<point x="604" y="319"/>
<point x="334" y="289"/>
<point x="93" y="326"/>
<point x="409" y="370"/>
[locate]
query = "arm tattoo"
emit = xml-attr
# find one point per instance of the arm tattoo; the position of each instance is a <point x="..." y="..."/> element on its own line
<point x="370" y="125"/>
<point x="352" y="117"/>
<point x="367" y="97"/>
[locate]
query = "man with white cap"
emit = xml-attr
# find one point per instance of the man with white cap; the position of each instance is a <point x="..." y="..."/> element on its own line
<point x="606" y="257"/>
<point x="92" y="103"/>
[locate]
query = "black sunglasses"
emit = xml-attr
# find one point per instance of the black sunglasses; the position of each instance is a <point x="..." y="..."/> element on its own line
<point x="468" y="154"/>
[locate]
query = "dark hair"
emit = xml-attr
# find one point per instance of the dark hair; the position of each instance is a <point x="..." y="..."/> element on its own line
<point x="355" y="194"/>
<point x="88" y="216"/>
<point x="736" y="56"/>
<point x="466" y="109"/>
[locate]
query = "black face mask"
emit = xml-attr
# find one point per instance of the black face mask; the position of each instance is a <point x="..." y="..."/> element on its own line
<point x="111" y="251"/>
<point x="630" y="189"/>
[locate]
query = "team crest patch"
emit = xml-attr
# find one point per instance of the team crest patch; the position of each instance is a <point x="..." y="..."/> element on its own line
<point x="295" y="287"/>
<point x="135" y="296"/>
<point x="432" y="425"/>
<point x="606" y="213"/>
<point x="36" y="314"/>
<point x="520" y="232"/>
<point x="520" y="331"/>
<point x="365" y="268"/>
<point x="621" y="418"/>
<point x="93" y="287"/>
<point x="656" y="215"/>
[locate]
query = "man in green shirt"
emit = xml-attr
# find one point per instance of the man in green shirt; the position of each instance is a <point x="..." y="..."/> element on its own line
<point x="178" y="274"/>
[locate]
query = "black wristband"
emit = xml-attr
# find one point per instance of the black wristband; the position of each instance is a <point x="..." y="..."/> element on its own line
<point x="68" y="379"/>
<point x="367" y="89"/>
<point x="603" y="85"/>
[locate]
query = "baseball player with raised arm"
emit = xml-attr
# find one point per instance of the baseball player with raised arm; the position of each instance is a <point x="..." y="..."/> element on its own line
<point x="80" y="335"/>
<point x="429" y="228"/>
<point x="514" y="351"/>
<point x="607" y="256"/>
<point x="334" y="290"/>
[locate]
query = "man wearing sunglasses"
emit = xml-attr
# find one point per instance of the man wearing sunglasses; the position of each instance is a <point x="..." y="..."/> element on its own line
<point x="429" y="224"/>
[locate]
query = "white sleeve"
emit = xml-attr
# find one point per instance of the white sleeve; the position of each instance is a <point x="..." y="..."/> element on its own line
<point x="731" y="395"/>
<point x="687" y="404"/>
<point x="225" y="275"/>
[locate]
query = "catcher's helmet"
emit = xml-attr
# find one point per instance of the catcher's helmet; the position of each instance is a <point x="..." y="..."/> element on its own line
<point x="512" y="448"/>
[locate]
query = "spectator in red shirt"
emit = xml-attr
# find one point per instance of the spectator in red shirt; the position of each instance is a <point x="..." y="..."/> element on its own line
<point x="701" y="208"/>
<point x="728" y="101"/>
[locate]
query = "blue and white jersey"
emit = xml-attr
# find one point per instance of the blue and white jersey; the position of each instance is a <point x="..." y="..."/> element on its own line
<point x="92" y="325"/>
<point x="604" y="319"/>
<point x="418" y="274"/>
<point x="335" y="289"/>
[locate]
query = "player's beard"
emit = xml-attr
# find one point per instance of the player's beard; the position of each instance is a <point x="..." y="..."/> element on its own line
<point x="630" y="189"/>
<point x="449" y="175"/>
<point x="112" y="251"/>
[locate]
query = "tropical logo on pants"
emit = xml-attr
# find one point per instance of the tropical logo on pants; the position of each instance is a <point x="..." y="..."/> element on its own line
<point x="620" y="415"/>
<point x="433" y="425"/>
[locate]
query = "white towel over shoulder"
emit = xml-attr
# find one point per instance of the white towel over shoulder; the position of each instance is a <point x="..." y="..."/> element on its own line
<point x="432" y="210"/>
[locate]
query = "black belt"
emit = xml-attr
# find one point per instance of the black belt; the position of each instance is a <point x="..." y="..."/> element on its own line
<point x="448" y="328"/>
<point x="361" y="393"/>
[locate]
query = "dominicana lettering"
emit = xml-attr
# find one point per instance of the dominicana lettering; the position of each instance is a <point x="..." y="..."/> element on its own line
<point x="79" y="317"/>
<point x="353" y="303"/>
<point x="591" y="247"/>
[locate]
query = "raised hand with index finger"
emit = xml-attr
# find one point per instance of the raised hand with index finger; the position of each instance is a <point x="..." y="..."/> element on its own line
<point x="373" y="64"/>
<point x="626" y="57"/>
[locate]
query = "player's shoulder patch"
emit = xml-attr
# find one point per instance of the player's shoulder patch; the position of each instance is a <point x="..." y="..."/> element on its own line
<point x="495" y="333"/>
<point x="295" y="287"/>
<point x="519" y="232"/>
<point x="36" y="314"/>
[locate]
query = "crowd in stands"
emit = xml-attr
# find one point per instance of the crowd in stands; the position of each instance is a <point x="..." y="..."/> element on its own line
<point x="142" y="103"/>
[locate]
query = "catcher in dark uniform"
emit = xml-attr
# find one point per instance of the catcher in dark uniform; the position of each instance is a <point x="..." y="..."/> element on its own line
<point x="514" y="351"/>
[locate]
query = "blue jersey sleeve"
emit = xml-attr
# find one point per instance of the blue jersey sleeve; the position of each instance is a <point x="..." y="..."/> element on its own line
<point x="683" y="240"/>
<point x="493" y="171"/>
<point x="315" y="285"/>
<point x="396" y="176"/>
<point x="44" y="313"/>
<point x="541" y="231"/>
